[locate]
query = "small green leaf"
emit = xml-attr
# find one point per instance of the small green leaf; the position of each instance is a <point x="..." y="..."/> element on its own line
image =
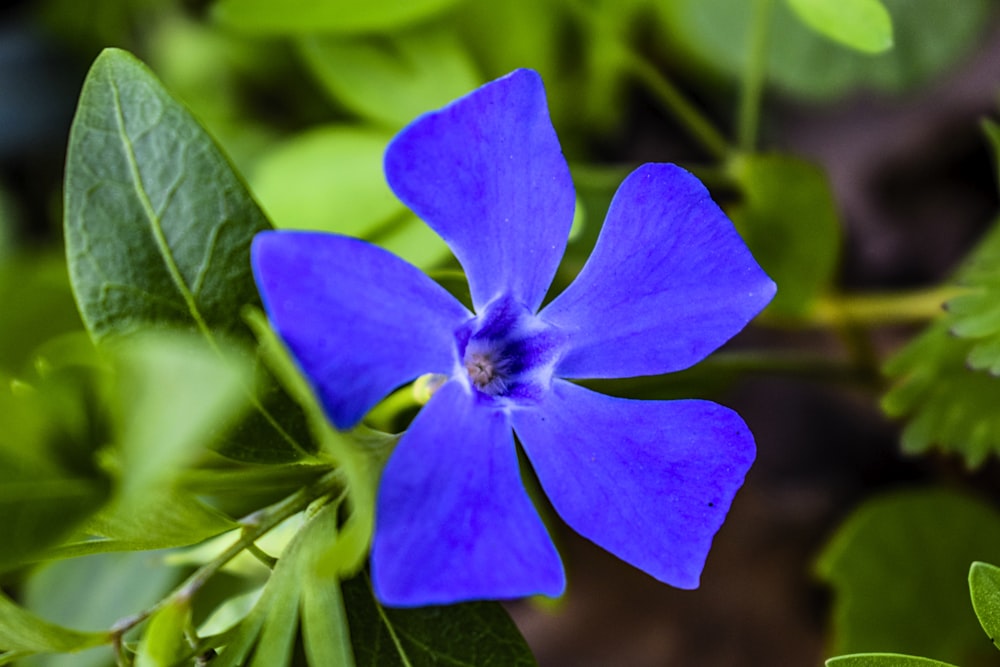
<point x="940" y="379"/>
<point x="899" y="569"/>
<point x="392" y="79"/>
<point x="864" y="25"/>
<point x="929" y="36"/>
<point x="883" y="660"/>
<point x="984" y="586"/>
<point x="309" y="16"/>
<point x="158" y="231"/>
<point x="20" y="630"/>
<point x="163" y="643"/>
<point x="789" y="220"/>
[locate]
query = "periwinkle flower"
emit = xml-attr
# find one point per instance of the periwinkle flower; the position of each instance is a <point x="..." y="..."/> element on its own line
<point x="668" y="282"/>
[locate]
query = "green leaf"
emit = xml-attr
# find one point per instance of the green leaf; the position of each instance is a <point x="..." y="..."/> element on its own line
<point x="158" y="226"/>
<point x="929" y="37"/>
<point x="20" y="630"/>
<point x="309" y="16"/>
<point x="158" y="231"/>
<point x="898" y="567"/>
<point x="392" y="79"/>
<point x="939" y="379"/>
<point x="984" y="587"/>
<point x="864" y="25"/>
<point x="883" y="660"/>
<point x="476" y="634"/>
<point x="163" y="643"/>
<point x="789" y="220"/>
<point x="331" y="179"/>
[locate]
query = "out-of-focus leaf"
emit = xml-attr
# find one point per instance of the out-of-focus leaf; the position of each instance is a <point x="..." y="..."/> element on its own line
<point x="984" y="587"/>
<point x="941" y="381"/>
<point x="898" y="567"/>
<point x="864" y="25"/>
<point x="331" y="179"/>
<point x="93" y="593"/>
<point x="20" y="630"/>
<point x="929" y="36"/>
<point x="158" y="231"/>
<point x="789" y="220"/>
<point x="883" y="660"/>
<point x="176" y="396"/>
<point x="309" y="16"/>
<point x="992" y="131"/>
<point x="38" y="305"/>
<point x="392" y="79"/>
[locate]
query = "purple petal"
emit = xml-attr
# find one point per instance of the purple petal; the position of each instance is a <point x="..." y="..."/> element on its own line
<point x="358" y="320"/>
<point x="487" y="173"/>
<point x="650" y="481"/>
<point x="453" y="521"/>
<point x="668" y="282"/>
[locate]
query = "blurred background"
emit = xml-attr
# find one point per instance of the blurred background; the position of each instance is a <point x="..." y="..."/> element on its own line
<point x="906" y="187"/>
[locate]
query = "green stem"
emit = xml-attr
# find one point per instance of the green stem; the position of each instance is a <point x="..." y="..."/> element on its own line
<point x="880" y="309"/>
<point x="703" y="131"/>
<point x="753" y="76"/>
<point x="255" y="526"/>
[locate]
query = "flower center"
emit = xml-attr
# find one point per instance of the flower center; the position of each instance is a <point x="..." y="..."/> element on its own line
<point x="507" y="352"/>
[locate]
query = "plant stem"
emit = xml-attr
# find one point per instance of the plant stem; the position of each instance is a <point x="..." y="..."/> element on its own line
<point x="753" y="76"/>
<point x="879" y="309"/>
<point x="677" y="105"/>
<point x="255" y="526"/>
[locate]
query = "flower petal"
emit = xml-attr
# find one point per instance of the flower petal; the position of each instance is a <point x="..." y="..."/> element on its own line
<point x="650" y="481"/>
<point x="668" y="282"/>
<point x="487" y="173"/>
<point x="453" y="521"/>
<point x="358" y="320"/>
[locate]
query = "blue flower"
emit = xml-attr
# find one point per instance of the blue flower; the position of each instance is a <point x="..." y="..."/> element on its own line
<point x="668" y="282"/>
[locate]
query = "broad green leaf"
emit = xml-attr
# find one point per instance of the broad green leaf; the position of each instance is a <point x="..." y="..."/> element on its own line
<point x="864" y="25"/>
<point x="93" y="593"/>
<point x="158" y="226"/>
<point x="309" y="16"/>
<point x="984" y="587"/>
<point x="883" y="660"/>
<point x="929" y="36"/>
<point x="331" y="179"/>
<point x="158" y="230"/>
<point x="163" y="643"/>
<point x="392" y="79"/>
<point x="477" y="634"/>
<point x="20" y="630"/>
<point x="899" y="570"/>
<point x="940" y="379"/>
<point x="789" y="220"/>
